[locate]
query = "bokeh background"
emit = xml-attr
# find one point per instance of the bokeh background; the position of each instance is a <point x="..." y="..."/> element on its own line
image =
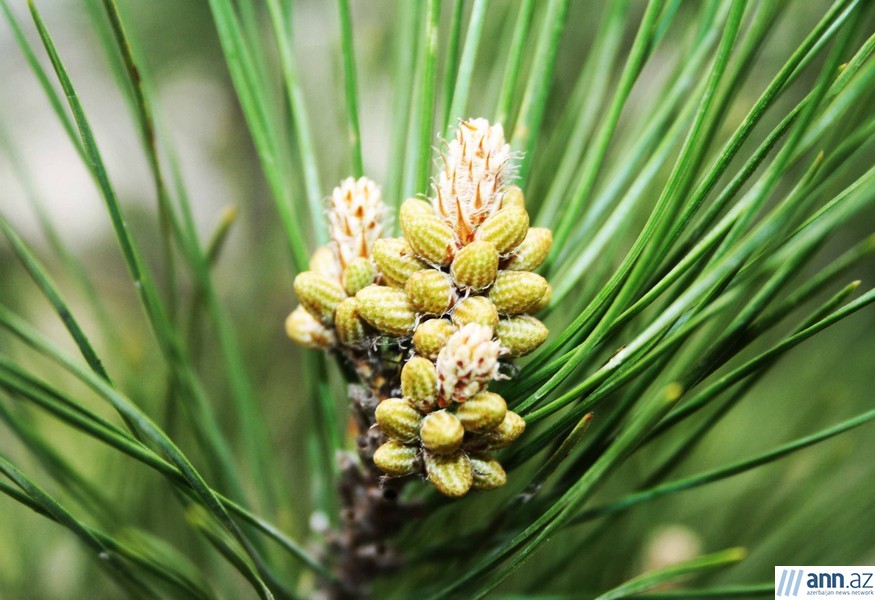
<point x="808" y="509"/>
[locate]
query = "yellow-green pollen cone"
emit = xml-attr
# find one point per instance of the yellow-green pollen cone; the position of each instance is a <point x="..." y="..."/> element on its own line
<point x="428" y="319"/>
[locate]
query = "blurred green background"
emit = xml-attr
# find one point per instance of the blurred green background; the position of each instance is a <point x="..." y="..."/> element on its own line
<point x="813" y="508"/>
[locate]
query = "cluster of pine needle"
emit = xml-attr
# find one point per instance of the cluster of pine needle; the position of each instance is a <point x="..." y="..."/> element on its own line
<point x="698" y="191"/>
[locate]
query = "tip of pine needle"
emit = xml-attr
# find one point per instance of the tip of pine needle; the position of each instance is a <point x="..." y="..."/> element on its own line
<point x="229" y="215"/>
<point x="673" y="392"/>
<point x="736" y="554"/>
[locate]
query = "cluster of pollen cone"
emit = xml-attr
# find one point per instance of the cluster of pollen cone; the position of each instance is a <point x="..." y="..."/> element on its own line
<point x="457" y="291"/>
